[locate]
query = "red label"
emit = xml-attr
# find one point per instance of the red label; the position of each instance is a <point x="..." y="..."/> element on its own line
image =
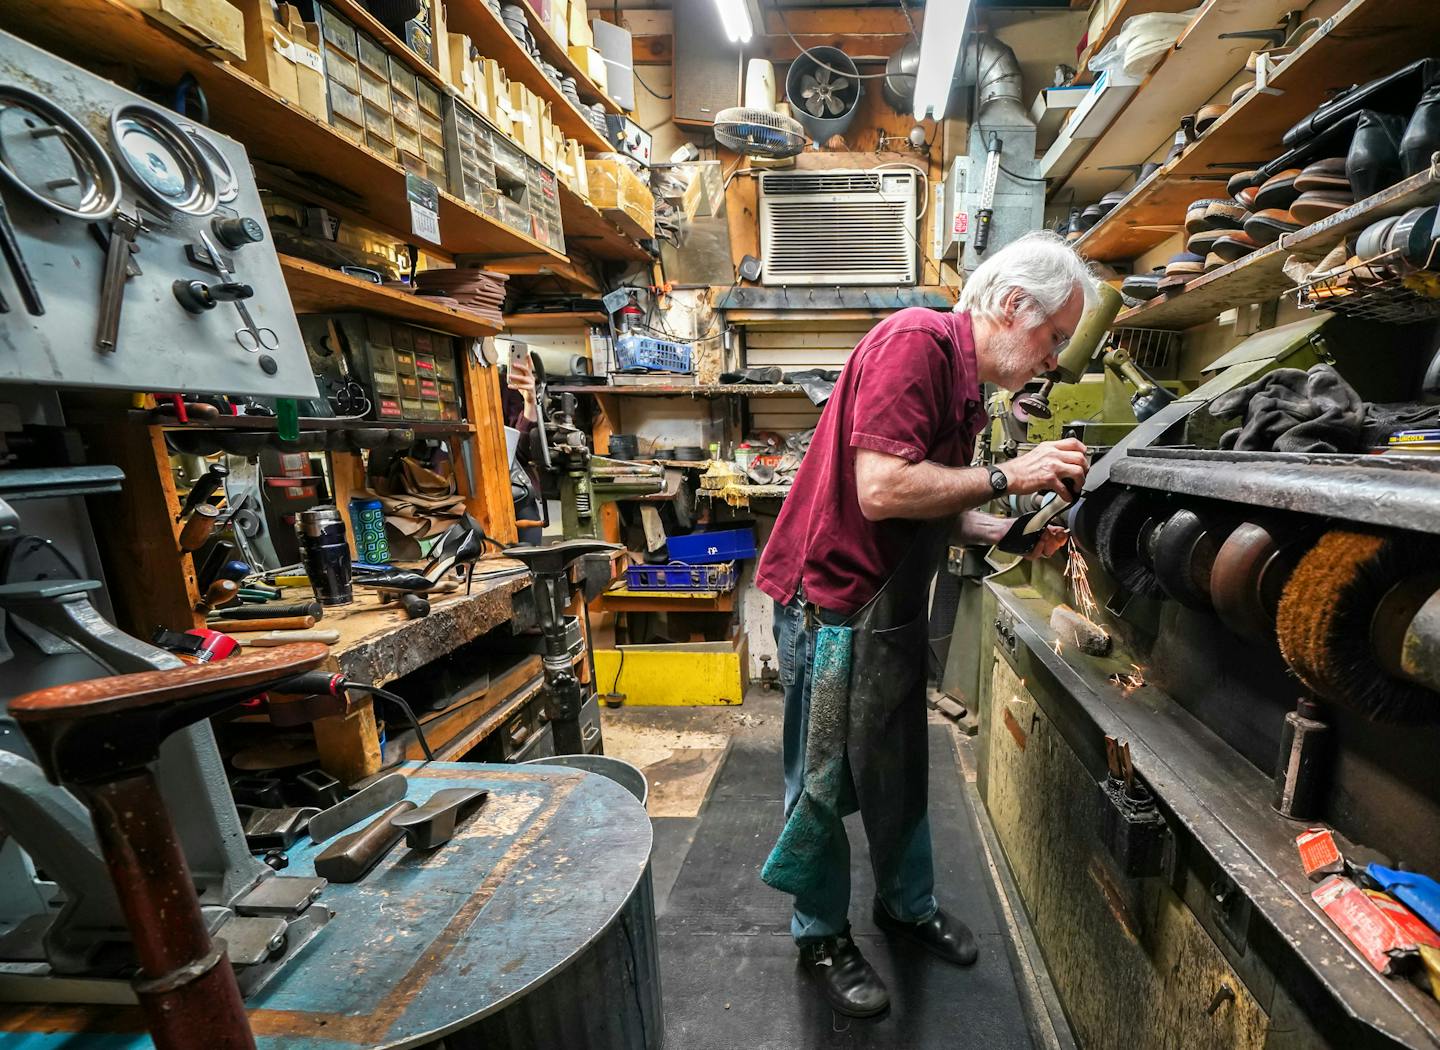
<point x="1318" y="853"/>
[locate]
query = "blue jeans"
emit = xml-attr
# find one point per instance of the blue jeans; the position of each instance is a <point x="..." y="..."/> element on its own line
<point x="910" y="894"/>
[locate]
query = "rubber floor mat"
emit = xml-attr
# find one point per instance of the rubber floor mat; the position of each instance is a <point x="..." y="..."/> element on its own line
<point x="729" y="965"/>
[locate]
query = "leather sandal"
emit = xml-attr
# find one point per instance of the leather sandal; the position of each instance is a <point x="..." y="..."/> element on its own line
<point x="1373" y="163"/>
<point x="1279" y="191"/>
<point x="1320" y="204"/>
<point x="1422" y="134"/>
<point x="1268" y="226"/>
<point x="1328" y="174"/>
<point x="849" y="984"/>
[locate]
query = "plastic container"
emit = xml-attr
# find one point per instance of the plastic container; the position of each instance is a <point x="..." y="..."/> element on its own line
<point x="707" y="548"/>
<point x="678" y="576"/>
<point x="641" y="351"/>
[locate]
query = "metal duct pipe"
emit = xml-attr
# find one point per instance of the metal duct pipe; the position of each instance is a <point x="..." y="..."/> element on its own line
<point x="984" y="60"/>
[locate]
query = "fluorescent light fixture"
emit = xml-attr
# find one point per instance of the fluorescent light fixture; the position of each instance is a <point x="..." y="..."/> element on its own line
<point x="736" y="18"/>
<point x="940" y="40"/>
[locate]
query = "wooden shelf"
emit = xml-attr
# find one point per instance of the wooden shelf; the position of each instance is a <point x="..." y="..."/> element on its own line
<point x="490" y="36"/>
<point x="558" y="57"/>
<point x="1194" y="69"/>
<point x="592" y="233"/>
<point x="318" y="289"/>
<point x="556" y="322"/>
<point x="1364" y="39"/>
<point x="270" y="128"/>
<point x="1259" y="276"/>
<point x="307" y="423"/>
<point x="1125" y="9"/>
<point x="363" y="19"/>
<point x="624" y="600"/>
<point x="714" y="390"/>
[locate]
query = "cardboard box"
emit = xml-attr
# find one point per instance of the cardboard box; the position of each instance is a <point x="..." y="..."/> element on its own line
<point x="1383" y="929"/>
<point x="577" y="160"/>
<point x="591" y="63"/>
<point x="525" y="114"/>
<point x="284" y="55"/>
<point x="215" y="25"/>
<point x="560" y="23"/>
<point x="578" y="24"/>
<point x="1319" y="855"/>
<point x="497" y="93"/>
<point x="462" y="69"/>
<point x="614" y="186"/>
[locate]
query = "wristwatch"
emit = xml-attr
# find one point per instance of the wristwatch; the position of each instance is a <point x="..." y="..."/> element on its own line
<point x="998" y="481"/>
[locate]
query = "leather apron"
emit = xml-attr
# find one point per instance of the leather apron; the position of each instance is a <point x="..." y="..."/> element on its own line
<point x="887" y="741"/>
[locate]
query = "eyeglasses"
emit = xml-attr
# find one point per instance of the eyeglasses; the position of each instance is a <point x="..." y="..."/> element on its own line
<point x="1061" y="339"/>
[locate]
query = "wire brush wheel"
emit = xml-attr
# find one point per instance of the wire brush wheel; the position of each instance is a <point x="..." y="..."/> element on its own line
<point x="1343" y="615"/>
<point x="1124" y="534"/>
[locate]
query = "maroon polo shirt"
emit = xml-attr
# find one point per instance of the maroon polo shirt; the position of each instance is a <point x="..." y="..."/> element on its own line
<point x="910" y="389"/>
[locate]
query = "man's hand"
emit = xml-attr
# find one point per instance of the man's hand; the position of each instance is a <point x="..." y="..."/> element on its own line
<point x="1046" y="468"/>
<point x="1050" y="541"/>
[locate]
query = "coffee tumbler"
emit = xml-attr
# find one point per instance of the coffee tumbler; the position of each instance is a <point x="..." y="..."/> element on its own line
<point x="325" y="554"/>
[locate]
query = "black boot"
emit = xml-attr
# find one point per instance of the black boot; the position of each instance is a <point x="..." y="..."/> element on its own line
<point x="849" y="983"/>
<point x="946" y="937"/>
<point x="1422" y="134"/>
<point x="1373" y="163"/>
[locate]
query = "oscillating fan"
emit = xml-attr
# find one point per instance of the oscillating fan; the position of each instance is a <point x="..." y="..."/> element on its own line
<point x="759" y="133"/>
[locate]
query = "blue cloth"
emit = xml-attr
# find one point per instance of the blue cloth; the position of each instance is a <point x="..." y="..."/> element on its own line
<point x="822" y="910"/>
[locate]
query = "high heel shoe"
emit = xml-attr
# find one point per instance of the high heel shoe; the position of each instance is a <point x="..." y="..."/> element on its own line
<point x="461" y="544"/>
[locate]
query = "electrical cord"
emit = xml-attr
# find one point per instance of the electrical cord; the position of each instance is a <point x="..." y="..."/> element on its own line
<point x="811" y="55"/>
<point x="1020" y="178"/>
<point x="400" y="702"/>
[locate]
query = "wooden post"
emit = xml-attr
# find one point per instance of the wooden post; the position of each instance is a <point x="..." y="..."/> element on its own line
<point x="349" y="745"/>
<point x="605" y="424"/>
<point x="491" y="505"/>
<point x="151" y="582"/>
<point x="347" y="476"/>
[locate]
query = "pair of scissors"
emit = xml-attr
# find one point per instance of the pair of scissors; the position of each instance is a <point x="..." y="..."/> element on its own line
<point x="251" y="337"/>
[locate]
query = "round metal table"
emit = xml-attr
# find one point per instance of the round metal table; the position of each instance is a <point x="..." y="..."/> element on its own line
<point x="533" y="927"/>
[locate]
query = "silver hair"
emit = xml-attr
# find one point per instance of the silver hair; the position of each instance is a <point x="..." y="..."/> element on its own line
<point x="1041" y="266"/>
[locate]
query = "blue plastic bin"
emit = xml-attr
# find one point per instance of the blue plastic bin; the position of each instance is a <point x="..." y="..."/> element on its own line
<point x="680" y="577"/>
<point x="706" y="548"/>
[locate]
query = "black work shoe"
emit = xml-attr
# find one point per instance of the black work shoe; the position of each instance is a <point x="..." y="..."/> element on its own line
<point x="948" y="938"/>
<point x="848" y="982"/>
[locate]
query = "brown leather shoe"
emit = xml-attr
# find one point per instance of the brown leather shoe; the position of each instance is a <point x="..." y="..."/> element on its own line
<point x="1241" y="91"/>
<point x="1320" y="204"/>
<point x="1226" y="215"/>
<point x="1242" y="180"/>
<point x="1196" y="211"/>
<point x="1201" y="243"/>
<point x="1213" y="262"/>
<point x="1267" y="227"/>
<point x="1279" y="191"/>
<point x="1328" y="174"/>
<point x="1236" y="244"/>
<point x="1246" y="197"/>
<point x="1207" y="115"/>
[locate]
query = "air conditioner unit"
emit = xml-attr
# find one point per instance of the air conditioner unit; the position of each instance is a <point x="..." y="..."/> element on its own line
<point x="839" y="227"/>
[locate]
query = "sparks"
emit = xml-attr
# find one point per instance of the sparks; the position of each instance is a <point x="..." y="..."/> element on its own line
<point x="1129" y="682"/>
<point x="1078" y="573"/>
<point x="1056" y="646"/>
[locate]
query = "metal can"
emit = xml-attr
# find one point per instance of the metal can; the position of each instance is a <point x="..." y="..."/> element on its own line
<point x="325" y="554"/>
<point x="367" y="521"/>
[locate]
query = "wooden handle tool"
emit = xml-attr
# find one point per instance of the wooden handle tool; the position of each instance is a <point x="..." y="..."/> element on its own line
<point x="271" y="610"/>
<point x="286" y="637"/>
<point x="217" y="594"/>
<point x="197" y="527"/>
<point x="273" y="623"/>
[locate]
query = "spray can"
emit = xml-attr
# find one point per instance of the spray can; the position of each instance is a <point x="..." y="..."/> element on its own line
<point x="367" y="522"/>
<point x="325" y="554"/>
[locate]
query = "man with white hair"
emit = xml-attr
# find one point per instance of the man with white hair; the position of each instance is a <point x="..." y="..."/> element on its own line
<point x="886" y="475"/>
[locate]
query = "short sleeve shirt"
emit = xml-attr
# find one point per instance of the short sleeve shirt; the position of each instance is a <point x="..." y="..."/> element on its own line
<point x="909" y="389"/>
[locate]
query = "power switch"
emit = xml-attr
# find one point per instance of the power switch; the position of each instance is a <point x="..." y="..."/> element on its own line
<point x="236" y="233"/>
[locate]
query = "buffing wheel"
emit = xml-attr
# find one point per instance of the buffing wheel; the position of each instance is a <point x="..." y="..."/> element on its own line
<point x="1249" y="573"/>
<point x="1343" y="616"/>
<point x="1124" y="537"/>
<point x="1185" y="552"/>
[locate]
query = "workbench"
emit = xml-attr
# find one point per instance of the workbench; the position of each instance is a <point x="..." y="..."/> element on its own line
<point x="545" y="894"/>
